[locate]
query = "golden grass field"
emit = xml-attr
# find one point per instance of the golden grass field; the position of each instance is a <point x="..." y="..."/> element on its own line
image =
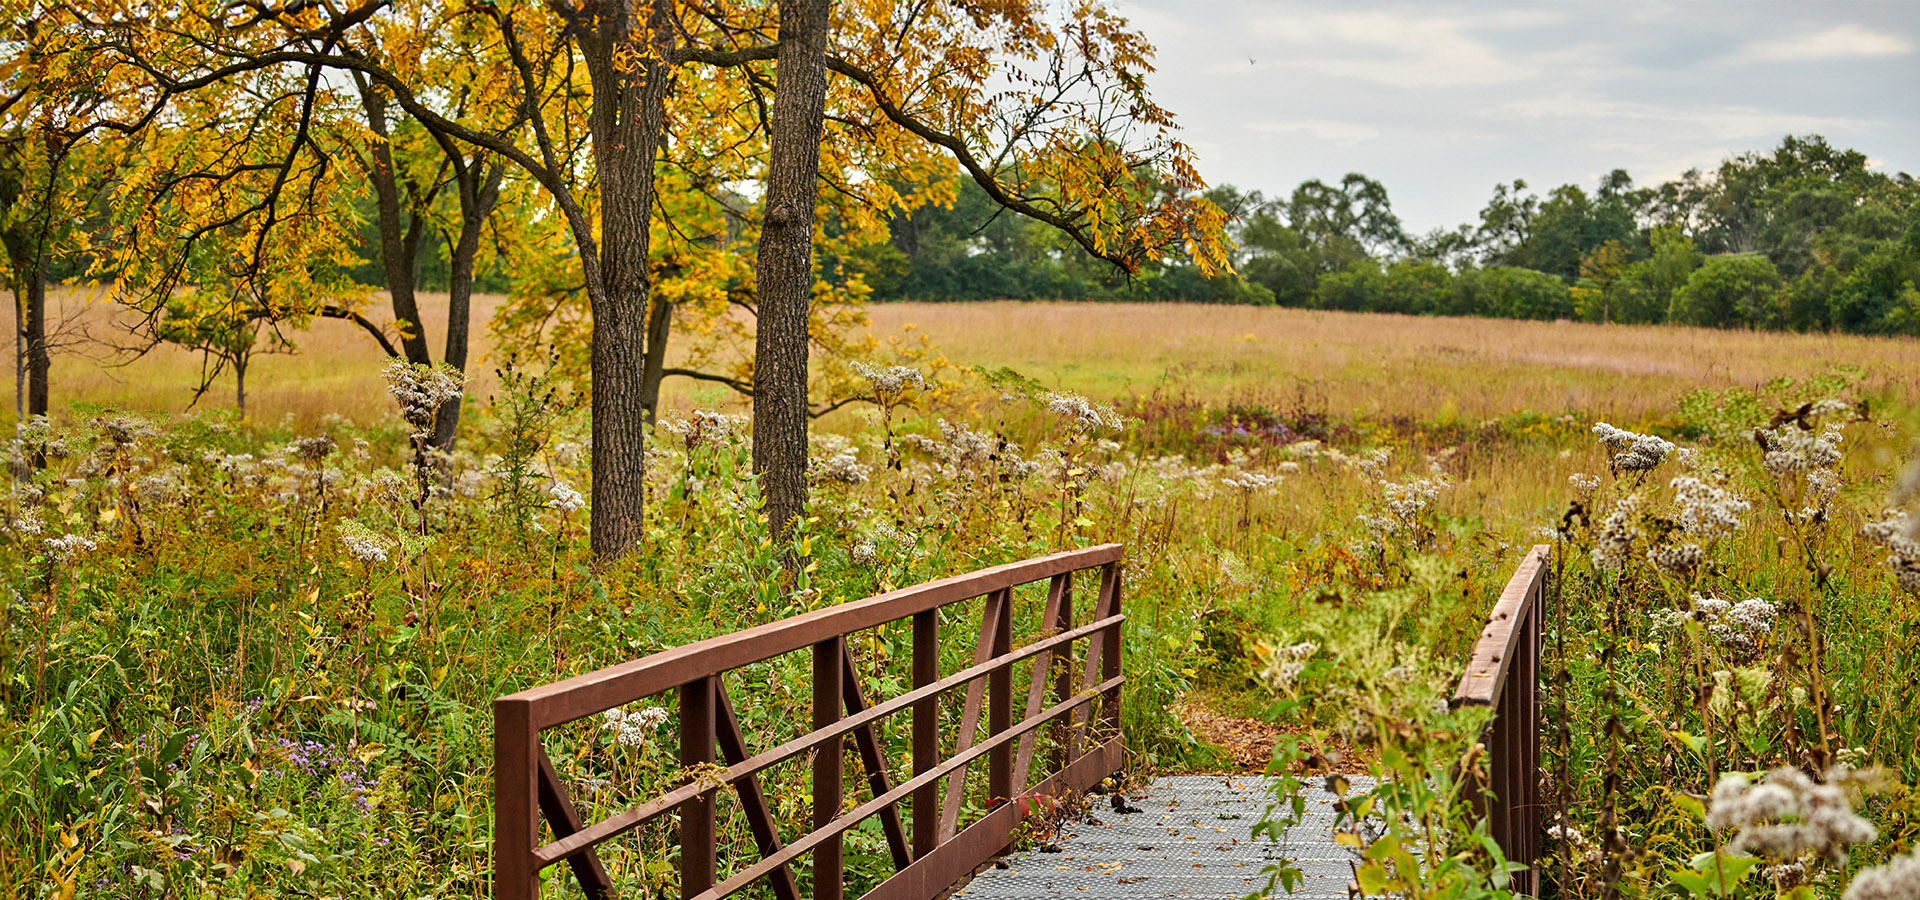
<point x="1361" y="364"/>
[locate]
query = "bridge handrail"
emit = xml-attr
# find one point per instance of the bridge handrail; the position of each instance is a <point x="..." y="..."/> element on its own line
<point x="527" y="789"/>
<point x="1503" y="672"/>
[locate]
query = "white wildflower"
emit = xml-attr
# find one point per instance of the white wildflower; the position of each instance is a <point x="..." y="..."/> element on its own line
<point x="564" y="498"/>
<point x="1899" y="879"/>
<point x="362" y="542"/>
<point x="965" y="446"/>
<point x="704" y="428"/>
<point x="1253" y="482"/>
<point x="1707" y="511"/>
<point x="890" y="381"/>
<point x="1791" y="449"/>
<point x="421" y="391"/>
<point x="1632" y="452"/>
<point x="28" y="524"/>
<point x="1788" y="816"/>
<point x="69" y="547"/>
<point x="1895" y="532"/>
<point x="1583" y="485"/>
<point x="633" y="728"/>
<point x="1613" y="546"/>
<point x="1083" y="415"/>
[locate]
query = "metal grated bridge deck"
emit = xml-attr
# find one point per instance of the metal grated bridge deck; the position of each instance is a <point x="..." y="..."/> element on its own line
<point x="1192" y="838"/>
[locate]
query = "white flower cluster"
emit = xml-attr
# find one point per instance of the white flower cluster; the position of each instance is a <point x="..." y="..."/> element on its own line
<point x="162" y="488"/>
<point x="891" y="380"/>
<point x="68" y="547"/>
<point x="865" y="553"/>
<point x="363" y="543"/>
<point x="564" y="498"/>
<point x="1676" y="559"/>
<point x="633" y="728"/>
<point x="838" y="460"/>
<point x="1308" y="449"/>
<point x="1896" y="532"/>
<point x="1788" y="816"/>
<point x="28" y="524"/>
<point x="124" y="429"/>
<point x="1897" y="880"/>
<point x="1372" y="464"/>
<point x="1584" y="485"/>
<point x="1707" y="511"/>
<point x="1632" y="452"/>
<point x="421" y="391"/>
<point x="313" y="449"/>
<point x="1253" y="482"/>
<point x="1613" y="546"/>
<point x="1407" y="501"/>
<point x="704" y="428"/>
<point x="1737" y="625"/>
<point x="1791" y="449"/>
<point x="1284" y="664"/>
<point x="966" y="446"/>
<point x="1083" y="415"/>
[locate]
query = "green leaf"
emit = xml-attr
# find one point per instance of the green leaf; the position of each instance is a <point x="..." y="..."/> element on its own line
<point x="1373" y="878"/>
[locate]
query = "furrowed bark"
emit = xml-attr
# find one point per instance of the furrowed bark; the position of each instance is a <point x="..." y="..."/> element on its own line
<point x="629" y="103"/>
<point x="784" y="271"/>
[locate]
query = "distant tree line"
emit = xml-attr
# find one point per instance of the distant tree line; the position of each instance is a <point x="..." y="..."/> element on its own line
<point x="1804" y="237"/>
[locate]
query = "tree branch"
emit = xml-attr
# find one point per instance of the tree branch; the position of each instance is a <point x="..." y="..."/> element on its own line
<point x="980" y="173"/>
<point x="340" y="312"/>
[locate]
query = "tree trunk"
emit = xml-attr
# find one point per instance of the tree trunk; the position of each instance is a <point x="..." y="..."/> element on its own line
<point x="35" y="333"/>
<point x="659" y="326"/>
<point x="629" y="104"/>
<point x="784" y="273"/>
<point x="397" y="247"/>
<point x="240" y="383"/>
<point x="476" y="204"/>
<point x="19" y="353"/>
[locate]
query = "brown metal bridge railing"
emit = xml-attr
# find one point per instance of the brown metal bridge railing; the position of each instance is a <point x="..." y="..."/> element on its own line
<point x="929" y="851"/>
<point x="1504" y="673"/>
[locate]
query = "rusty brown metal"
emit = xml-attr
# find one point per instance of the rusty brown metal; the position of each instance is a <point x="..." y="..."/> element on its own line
<point x="1037" y="683"/>
<point x="874" y="761"/>
<point x="620" y="823"/>
<point x="926" y="731"/>
<point x="934" y="852"/>
<point x="1503" y="672"/>
<point x="829" y="866"/>
<point x="697" y="836"/>
<point x="558" y="809"/>
<point x="753" y="801"/>
<point x="990" y="618"/>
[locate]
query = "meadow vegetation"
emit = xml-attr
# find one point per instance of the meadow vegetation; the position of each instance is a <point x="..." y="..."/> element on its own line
<point x="256" y="655"/>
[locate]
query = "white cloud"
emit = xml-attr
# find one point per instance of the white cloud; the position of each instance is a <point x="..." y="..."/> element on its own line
<point x="1398" y="48"/>
<point x="1839" y="42"/>
<point x="1344" y="134"/>
<point x="1725" y="122"/>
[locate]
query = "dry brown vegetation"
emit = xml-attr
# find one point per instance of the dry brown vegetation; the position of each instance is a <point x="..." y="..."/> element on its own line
<point x="1375" y="364"/>
<point x="1365" y="365"/>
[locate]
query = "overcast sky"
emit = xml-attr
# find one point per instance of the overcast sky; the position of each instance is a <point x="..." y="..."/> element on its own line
<point x="1439" y="101"/>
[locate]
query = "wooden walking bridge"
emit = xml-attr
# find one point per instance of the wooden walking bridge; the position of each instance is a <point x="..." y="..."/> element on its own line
<point x="1044" y="750"/>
